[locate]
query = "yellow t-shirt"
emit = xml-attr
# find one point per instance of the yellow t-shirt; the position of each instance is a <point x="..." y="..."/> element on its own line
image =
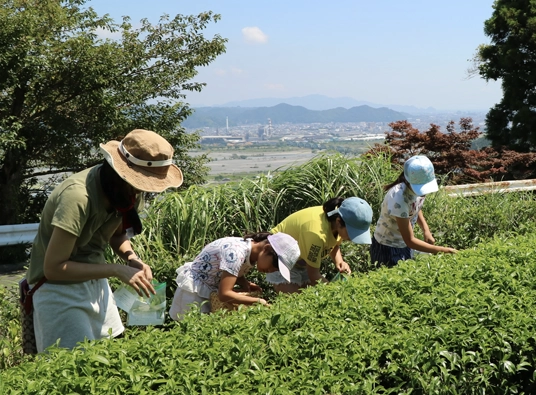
<point x="312" y="230"/>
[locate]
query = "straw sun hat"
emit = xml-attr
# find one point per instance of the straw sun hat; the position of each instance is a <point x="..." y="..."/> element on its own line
<point x="144" y="159"/>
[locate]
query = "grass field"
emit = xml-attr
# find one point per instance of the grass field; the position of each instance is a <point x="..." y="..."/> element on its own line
<point x="234" y="164"/>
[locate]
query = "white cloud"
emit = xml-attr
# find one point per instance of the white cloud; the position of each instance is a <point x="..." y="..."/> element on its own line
<point x="220" y="72"/>
<point x="275" y="87"/>
<point x="236" y="70"/>
<point x="104" y="34"/>
<point x="254" y="35"/>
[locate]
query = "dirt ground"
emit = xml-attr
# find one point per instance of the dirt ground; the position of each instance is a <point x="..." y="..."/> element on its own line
<point x="11" y="274"/>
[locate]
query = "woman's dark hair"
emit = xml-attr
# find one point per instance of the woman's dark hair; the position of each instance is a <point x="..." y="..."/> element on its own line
<point x="113" y="186"/>
<point x="401" y="179"/>
<point x="116" y="192"/>
<point x="331" y="205"/>
<point x="261" y="236"/>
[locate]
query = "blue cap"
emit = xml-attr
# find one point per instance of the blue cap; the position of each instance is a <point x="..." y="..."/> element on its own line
<point x="357" y="215"/>
<point x="419" y="172"/>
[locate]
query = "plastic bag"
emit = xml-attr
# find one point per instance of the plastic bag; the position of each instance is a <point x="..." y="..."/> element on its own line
<point x="142" y="310"/>
<point x="340" y="277"/>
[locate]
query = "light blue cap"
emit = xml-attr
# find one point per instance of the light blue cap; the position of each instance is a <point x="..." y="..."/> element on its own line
<point x="419" y="172"/>
<point x="357" y="215"/>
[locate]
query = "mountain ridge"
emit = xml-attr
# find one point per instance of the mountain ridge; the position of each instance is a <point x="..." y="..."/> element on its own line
<point x="286" y="113"/>
<point x="321" y="102"/>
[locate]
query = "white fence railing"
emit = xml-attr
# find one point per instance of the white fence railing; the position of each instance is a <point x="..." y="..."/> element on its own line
<point x="487" y="187"/>
<point x="25" y="233"/>
<point x="17" y="234"/>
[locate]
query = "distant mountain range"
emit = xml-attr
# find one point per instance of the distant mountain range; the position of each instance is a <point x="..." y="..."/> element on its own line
<point x="286" y="113"/>
<point x="321" y="102"/>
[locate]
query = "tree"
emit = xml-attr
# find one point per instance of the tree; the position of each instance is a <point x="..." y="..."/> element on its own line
<point x="452" y="153"/>
<point x="64" y="90"/>
<point x="510" y="58"/>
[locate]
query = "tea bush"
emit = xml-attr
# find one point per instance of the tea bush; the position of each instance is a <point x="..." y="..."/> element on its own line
<point x="439" y="324"/>
<point x="10" y="329"/>
<point x="465" y="222"/>
<point x="445" y="324"/>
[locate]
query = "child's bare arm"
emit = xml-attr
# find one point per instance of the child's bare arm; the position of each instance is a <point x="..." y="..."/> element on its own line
<point x="406" y="230"/>
<point x="421" y="221"/>
<point x="227" y="294"/>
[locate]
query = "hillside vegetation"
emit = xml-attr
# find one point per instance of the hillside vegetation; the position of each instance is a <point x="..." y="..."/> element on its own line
<point x="285" y="113"/>
<point x="461" y="324"/>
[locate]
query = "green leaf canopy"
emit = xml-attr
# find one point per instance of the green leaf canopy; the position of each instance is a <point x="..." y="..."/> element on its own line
<point x="510" y="57"/>
<point x="64" y="88"/>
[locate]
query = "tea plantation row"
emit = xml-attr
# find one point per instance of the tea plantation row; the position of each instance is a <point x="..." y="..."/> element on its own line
<point x="462" y="324"/>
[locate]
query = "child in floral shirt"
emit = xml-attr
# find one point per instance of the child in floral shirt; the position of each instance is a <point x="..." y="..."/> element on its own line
<point x="393" y="239"/>
<point x="224" y="263"/>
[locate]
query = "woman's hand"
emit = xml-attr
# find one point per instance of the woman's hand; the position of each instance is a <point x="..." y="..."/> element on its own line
<point x="137" y="279"/>
<point x="137" y="263"/>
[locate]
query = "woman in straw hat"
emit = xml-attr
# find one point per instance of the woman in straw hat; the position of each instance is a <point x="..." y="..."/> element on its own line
<point x="85" y="213"/>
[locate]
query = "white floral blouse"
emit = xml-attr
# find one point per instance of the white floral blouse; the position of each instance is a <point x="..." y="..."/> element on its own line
<point x="203" y="275"/>
<point x="401" y="202"/>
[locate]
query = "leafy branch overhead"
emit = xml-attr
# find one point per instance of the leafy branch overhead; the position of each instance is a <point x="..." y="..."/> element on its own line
<point x="71" y="79"/>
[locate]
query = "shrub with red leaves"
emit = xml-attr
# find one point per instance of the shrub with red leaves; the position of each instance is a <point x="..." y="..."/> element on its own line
<point x="452" y="155"/>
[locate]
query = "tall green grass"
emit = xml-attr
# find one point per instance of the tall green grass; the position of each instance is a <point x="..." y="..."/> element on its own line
<point x="178" y="225"/>
<point x="184" y="222"/>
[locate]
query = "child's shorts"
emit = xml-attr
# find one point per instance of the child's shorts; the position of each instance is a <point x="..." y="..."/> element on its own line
<point x="383" y="255"/>
<point x="182" y="301"/>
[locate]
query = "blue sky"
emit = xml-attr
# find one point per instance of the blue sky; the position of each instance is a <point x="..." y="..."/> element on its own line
<point x="412" y="52"/>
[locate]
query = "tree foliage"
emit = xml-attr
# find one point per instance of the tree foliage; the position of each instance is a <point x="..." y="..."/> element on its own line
<point x="510" y="58"/>
<point x="452" y="153"/>
<point x="65" y="88"/>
